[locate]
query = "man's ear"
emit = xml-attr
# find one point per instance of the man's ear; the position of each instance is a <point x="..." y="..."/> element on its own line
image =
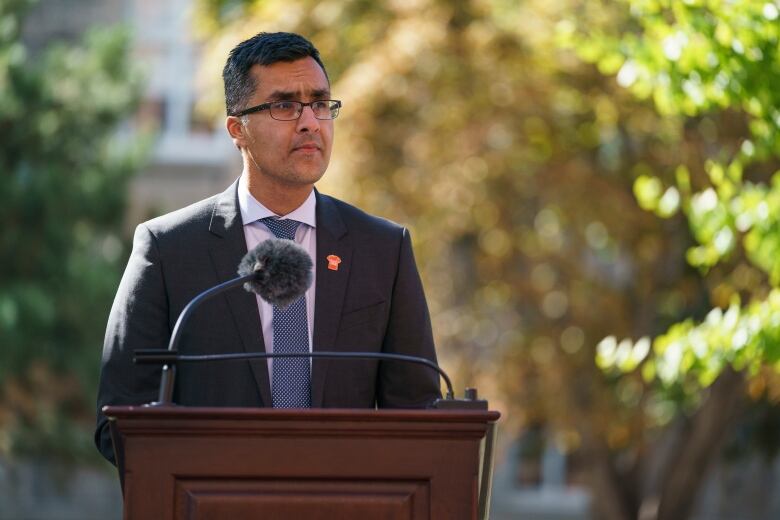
<point x="237" y="131"/>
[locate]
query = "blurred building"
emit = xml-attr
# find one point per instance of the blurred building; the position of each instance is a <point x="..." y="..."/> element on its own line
<point x="67" y="20"/>
<point x="42" y="490"/>
<point x="191" y="157"/>
<point x="534" y="480"/>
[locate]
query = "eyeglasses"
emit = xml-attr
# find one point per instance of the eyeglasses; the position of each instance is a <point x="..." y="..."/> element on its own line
<point x="292" y="110"/>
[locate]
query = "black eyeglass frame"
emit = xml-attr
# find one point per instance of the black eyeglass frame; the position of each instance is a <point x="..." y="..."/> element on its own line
<point x="267" y="106"/>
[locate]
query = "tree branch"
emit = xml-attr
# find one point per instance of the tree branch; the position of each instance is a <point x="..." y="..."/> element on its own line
<point x="687" y="467"/>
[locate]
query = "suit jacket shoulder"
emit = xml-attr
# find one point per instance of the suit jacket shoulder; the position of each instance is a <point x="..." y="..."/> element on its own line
<point x="181" y="224"/>
<point x="363" y="229"/>
<point x="360" y="220"/>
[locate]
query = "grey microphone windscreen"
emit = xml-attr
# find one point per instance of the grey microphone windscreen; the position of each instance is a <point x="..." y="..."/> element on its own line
<point x="282" y="271"/>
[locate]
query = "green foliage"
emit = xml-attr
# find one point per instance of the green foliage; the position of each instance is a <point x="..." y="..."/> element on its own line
<point x="695" y="59"/>
<point x="745" y="337"/>
<point x="63" y="173"/>
<point x="692" y="57"/>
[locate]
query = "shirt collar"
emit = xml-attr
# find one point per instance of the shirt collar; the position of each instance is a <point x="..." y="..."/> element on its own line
<point x="252" y="210"/>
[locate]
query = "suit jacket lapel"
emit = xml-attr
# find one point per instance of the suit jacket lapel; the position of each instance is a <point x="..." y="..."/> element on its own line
<point x="226" y="250"/>
<point x="331" y="285"/>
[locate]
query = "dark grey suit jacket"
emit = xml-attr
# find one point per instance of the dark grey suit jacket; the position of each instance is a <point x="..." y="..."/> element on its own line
<point x="374" y="302"/>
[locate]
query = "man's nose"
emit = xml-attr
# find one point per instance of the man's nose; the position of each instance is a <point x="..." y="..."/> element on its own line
<point x="307" y="122"/>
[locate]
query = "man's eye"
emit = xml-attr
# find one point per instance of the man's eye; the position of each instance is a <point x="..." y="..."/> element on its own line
<point x="284" y="105"/>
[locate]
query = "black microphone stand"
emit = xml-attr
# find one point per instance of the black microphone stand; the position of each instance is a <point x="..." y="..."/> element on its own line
<point x="170" y="357"/>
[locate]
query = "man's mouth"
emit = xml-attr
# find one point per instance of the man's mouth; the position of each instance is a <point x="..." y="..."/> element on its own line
<point x="307" y="147"/>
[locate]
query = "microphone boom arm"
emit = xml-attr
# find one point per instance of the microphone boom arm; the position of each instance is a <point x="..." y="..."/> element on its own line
<point x="168" y="358"/>
<point x="169" y="369"/>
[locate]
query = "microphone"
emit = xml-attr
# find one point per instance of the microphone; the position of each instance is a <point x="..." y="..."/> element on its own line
<point x="278" y="270"/>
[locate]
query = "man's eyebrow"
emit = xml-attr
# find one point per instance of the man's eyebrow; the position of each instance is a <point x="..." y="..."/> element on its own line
<point x="320" y="93"/>
<point x="282" y="95"/>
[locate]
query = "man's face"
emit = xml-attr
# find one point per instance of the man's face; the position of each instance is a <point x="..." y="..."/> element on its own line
<point x="288" y="152"/>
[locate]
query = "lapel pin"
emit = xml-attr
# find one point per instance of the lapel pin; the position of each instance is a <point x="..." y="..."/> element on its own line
<point x="333" y="262"/>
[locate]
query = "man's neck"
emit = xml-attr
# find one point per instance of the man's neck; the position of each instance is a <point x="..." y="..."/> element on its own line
<point x="281" y="199"/>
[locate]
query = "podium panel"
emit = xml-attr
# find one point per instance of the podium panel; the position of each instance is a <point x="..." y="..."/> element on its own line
<point x="313" y="499"/>
<point x="215" y="463"/>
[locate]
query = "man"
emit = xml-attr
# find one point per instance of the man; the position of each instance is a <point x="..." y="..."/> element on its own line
<point x="366" y="294"/>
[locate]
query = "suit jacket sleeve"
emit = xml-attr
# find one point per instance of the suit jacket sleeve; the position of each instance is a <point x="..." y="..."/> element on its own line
<point x="407" y="385"/>
<point x="139" y="318"/>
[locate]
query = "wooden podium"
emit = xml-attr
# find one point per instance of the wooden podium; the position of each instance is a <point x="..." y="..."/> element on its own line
<point x="237" y="463"/>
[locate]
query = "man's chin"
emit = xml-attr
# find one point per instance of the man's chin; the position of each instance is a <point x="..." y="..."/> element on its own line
<point x="307" y="175"/>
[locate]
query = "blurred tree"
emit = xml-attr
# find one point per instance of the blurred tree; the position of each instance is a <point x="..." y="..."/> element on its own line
<point x="62" y="178"/>
<point x="516" y="166"/>
<point x="711" y="68"/>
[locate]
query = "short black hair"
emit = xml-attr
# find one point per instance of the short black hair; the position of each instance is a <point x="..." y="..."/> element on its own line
<point x="261" y="49"/>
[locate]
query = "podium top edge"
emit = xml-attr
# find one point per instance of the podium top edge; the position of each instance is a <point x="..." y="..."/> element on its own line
<point x="334" y="414"/>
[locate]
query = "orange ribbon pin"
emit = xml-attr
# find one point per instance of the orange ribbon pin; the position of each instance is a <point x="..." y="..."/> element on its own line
<point x="333" y="262"/>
